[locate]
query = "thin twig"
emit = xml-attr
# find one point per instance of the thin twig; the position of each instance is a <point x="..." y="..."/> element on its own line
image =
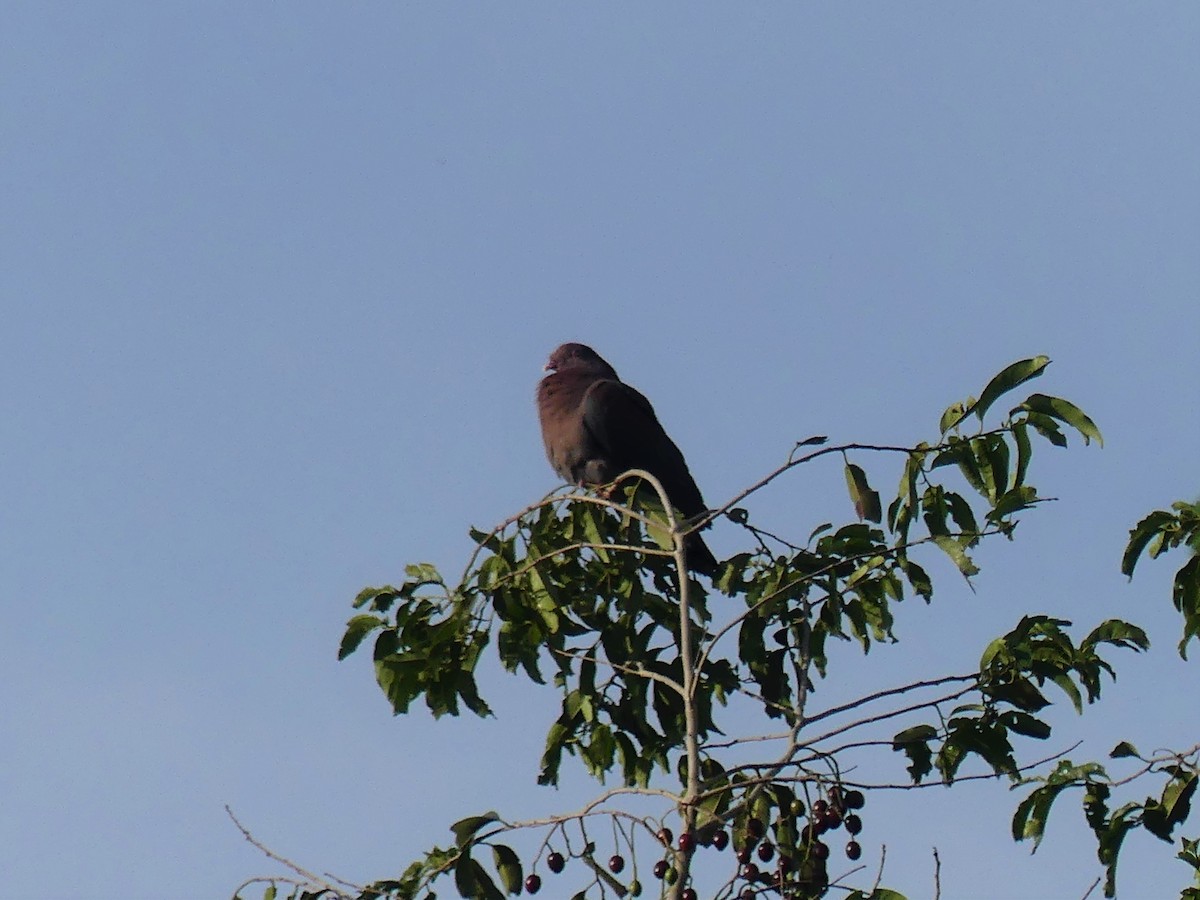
<point x="888" y="715"/>
<point x="890" y="692"/>
<point x="639" y="671"/>
<point x="284" y="861"/>
<point x="879" y="875"/>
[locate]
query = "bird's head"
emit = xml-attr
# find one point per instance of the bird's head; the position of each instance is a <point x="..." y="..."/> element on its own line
<point x="578" y="356"/>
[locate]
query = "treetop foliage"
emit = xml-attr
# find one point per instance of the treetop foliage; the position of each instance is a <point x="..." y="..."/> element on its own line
<point x="655" y="673"/>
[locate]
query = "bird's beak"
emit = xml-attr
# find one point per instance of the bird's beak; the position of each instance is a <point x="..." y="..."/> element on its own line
<point x="548" y="367"/>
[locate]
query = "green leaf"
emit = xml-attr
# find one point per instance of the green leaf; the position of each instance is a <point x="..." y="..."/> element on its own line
<point x="556" y="739"/>
<point x="1068" y="687"/>
<point x="1141" y="535"/>
<point x="1008" y="378"/>
<point x="356" y="629"/>
<point x="469" y="693"/>
<point x="1046" y="427"/>
<point x="1020" y="433"/>
<point x="962" y="514"/>
<point x="1160" y="817"/>
<point x="269" y="893"/>
<point x="424" y="572"/>
<point x="464" y="876"/>
<point x="954" y="414"/>
<point x="1187" y="600"/>
<point x="591" y="530"/>
<point x="991" y="652"/>
<point x="954" y="550"/>
<point x="473" y="881"/>
<point x="1015" y="500"/>
<point x="1020" y="692"/>
<point x="1029" y="821"/>
<point x="1023" y="723"/>
<point x="1177" y="796"/>
<point x="1124" y="749"/>
<point x="865" y="500"/>
<point x="914" y="743"/>
<point x="1064" y="411"/>
<point x="1119" y="633"/>
<point x="508" y="865"/>
<point x="488" y="540"/>
<point x="918" y="578"/>
<point x="465" y="829"/>
<point x="381" y="597"/>
<point x="1110" y="838"/>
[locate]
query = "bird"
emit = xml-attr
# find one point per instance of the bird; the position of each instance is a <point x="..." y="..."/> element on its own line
<point x="594" y="427"/>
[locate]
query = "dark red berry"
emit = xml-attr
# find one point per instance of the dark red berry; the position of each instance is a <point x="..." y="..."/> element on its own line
<point x="688" y="894"/>
<point x="853" y="823"/>
<point x="744" y="855"/>
<point x="820" y="851"/>
<point x="750" y="872"/>
<point x="854" y="800"/>
<point x="754" y="828"/>
<point x="687" y="842"/>
<point x="616" y="863"/>
<point x="836" y="797"/>
<point x="748" y="893"/>
<point x="766" y="851"/>
<point x="785" y="863"/>
<point x="665" y="835"/>
<point x="832" y="819"/>
<point x="533" y="884"/>
<point x="660" y="869"/>
<point x="720" y="839"/>
<point x="853" y="850"/>
<point x="819" y="807"/>
<point x="555" y="862"/>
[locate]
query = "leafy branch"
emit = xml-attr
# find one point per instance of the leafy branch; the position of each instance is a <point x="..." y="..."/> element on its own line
<point x="589" y="594"/>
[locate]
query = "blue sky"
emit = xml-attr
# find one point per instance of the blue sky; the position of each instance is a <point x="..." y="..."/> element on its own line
<point x="278" y="281"/>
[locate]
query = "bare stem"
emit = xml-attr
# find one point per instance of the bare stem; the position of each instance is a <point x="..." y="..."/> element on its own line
<point x="311" y="878"/>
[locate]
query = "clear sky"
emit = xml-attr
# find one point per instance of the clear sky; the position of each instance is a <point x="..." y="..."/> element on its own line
<point x="278" y="280"/>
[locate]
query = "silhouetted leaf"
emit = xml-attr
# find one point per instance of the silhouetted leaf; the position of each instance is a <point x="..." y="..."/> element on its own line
<point x="465" y="829"/>
<point x="1029" y="821"/>
<point x="1009" y="377"/>
<point x="356" y="629"/>
<point x="954" y="550"/>
<point x="1141" y="535"/>
<point x="1064" y="411"/>
<point x="914" y="743"/>
<point x="508" y="866"/>
<point x="865" y="500"/>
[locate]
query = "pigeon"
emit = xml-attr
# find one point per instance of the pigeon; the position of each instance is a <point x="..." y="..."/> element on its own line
<point x="595" y="427"/>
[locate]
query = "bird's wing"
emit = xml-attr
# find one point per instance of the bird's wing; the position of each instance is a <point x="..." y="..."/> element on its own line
<point x="623" y="425"/>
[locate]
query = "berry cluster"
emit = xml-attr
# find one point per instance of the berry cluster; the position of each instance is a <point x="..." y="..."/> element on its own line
<point x="794" y="862"/>
<point x="556" y="862"/>
<point x="790" y="860"/>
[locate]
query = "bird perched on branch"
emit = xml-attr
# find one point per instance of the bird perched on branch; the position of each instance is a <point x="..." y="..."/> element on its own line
<point x="595" y="427"/>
